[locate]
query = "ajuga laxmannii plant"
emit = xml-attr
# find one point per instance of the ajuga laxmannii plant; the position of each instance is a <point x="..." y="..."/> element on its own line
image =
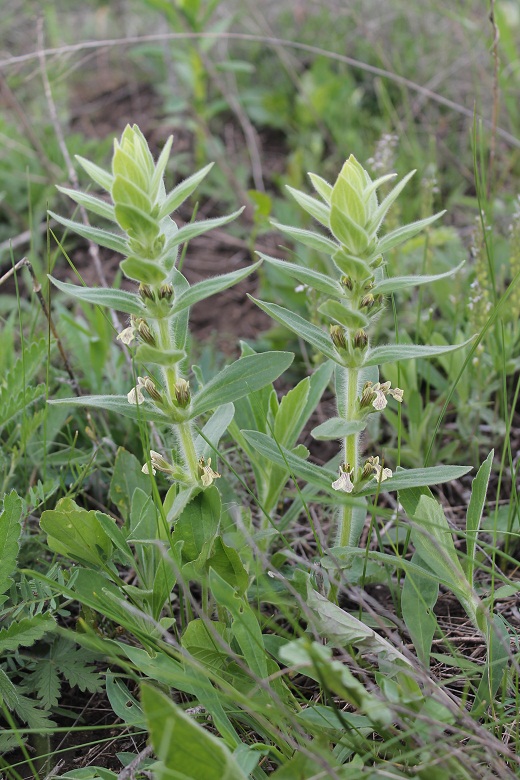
<point x="149" y="241"/>
<point x="351" y="299"/>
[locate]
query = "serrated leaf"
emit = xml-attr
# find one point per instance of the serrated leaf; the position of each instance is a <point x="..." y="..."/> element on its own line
<point x="25" y="632"/>
<point x="98" y="236"/>
<point x="10" y="530"/>
<point x="307" y="237"/>
<point x="182" y="191"/>
<point x="46" y="682"/>
<point x="116" y="403"/>
<point x="402" y="234"/>
<point x="8" y="692"/>
<point x="97" y="174"/>
<point x="201" y="290"/>
<point x="308" y="276"/>
<point x="395" y="283"/>
<point x="120" y="300"/>
<point x="239" y="379"/>
<point x="337" y="428"/>
<point x="394" y="352"/>
<point x="314" y="335"/>
<point x="194" y="229"/>
<point x="318" y="210"/>
<point x="36" y="718"/>
<point x="96" y="205"/>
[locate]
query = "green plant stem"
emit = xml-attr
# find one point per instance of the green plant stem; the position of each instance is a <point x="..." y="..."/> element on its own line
<point x="351" y="453"/>
<point x="183" y="430"/>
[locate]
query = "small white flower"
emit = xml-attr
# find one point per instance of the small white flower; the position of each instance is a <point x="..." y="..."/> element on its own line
<point x="344" y="483"/>
<point x="208" y="475"/>
<point x="380" y="402"/>
<point x="146" y="470"/>
<point x="135" y="396"/>
<point x="397" y="394"/>
<point x="380" y="473"/>
<point x="127" y="335"/>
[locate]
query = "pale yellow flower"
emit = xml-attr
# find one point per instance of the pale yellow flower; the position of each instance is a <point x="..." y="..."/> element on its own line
<point x="344" y="482"/>
<point x="207" y="474"/>
<point x="135" y="396"/>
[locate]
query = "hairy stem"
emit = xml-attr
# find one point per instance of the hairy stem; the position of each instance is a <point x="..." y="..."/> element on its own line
<point x="351" y="447"/>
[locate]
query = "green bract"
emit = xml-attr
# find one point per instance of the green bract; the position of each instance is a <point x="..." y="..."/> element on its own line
<point x="350" y="299"/>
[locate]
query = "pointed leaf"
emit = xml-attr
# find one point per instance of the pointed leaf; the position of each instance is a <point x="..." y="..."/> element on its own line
<point x="307" y="237"/>
<point x="308" y="276"/>
<point x="314" y="335"/>
<point x="394" y="352"/>
<point x="474" y="513"/>
<point x="120" y="300"/>
<point x="201" y="290"/>
<point x="418" y="598"/>
<point x="183" y="191"/>
<point x="404" y="233"/>
<point x="96" y="205"/>
<point x="342" y="314"/>
<point x="194" y="229"/>
<point x="97" y="174"/>
<point x="410" y="478"/>
<point x="116" y="403"/>
<point x="321" y="186"/>
<point x="316" y="475"/>
<point x="395" y="283"/>
<point x="241" y="378"/>
<point x="381" y="211"/>
<point x="318" y="210"/>
<point x="337" y="428"/>
<point x="101" y="237"/>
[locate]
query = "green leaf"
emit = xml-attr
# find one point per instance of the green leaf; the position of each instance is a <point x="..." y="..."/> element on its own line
<point x="194" y="229"/>
<point x="402" y="234"/>
<point x="498" y="657"/>
<point x="314" y="335"/>
<point x="265" y="446"/>
<point x="227" y="563"/>
<point x="118" y="404"/>
<point x="125" y="706"/>
<point x="96" y="205"/>
<point x="321" y="186"/>
<point x="395" y="283"/>
<point x="314" y="240"/>
<point x="145" y="353"/>
<point x="348" y="232"/>
<point x="76" y="533"/>
<point x="433" y="541"/>
<point x="187" y="751"/>
<point x="286" y="423"/>
<point x="418" y="598"/>
<point x="342" y="314"/>
<point x="97" y="174"/>
<point x="182" y="191"/>
<point x="412" y="478"/>
<point x="240" y="378"/>
<point x="120" y="300"/>
<point x="126" y="477"/>
<point x="337" y="428"/>
<point x="318" y="210"/>
<point x="101" y="237"/>
<point x="46" y="682"/>
<point x="245" y="626"/>
<point x="394" y="352"/>
<point x="7" y="691"/>
<point x="10" y="530"/>
<point x="381" y="211"/>
<point x="214" y="429"/>
<point x="198" y="523"/>
<point x="25" y="632"/>
<point x="145" y="271"/>
<point x="474" y="514"/>
<point x="314" y="279"/>
<point x="200" y="642"/>
<point x="201" y="290"/>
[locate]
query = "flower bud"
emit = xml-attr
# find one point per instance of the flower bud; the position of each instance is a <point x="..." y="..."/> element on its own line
<point x="145" y="333"/>
<point x="337" y="335"/>
<point x="182" y="393"/>
<point x="367" y="301"/>
<point x="151" y="389"/>
<point x="166" y="292"/>
<point x="146" y="292"/>
<point x="346" y="281"/>
<point x="360" y="340"/>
